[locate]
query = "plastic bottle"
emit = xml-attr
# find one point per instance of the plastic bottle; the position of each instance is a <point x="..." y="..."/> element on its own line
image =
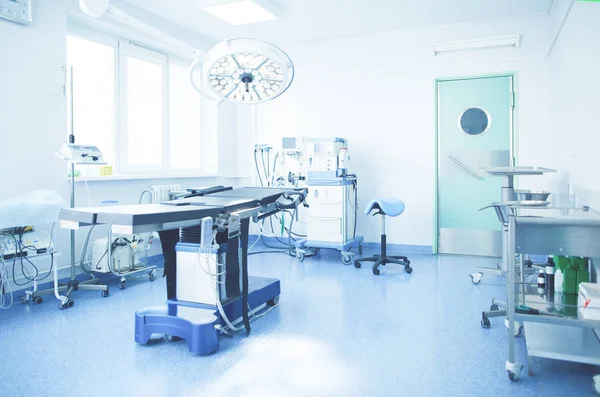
<point x="550" y="268"/>
<point x="559" y="278"/>
<point x="570" y="279"/>
<point x="561" y="263"/>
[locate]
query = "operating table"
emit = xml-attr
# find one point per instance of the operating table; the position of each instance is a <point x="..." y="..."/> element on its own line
<point x="178" y="223"/>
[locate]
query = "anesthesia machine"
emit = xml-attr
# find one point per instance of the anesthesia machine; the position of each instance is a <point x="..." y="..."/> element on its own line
<point x="321" y="165"/>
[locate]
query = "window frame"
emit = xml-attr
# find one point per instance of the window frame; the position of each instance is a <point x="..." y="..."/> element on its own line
<point x="122" y="48"/>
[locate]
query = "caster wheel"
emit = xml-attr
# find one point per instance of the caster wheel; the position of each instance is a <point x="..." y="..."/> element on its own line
<point x="152" y="275"/>
<point x="346" y="259"/>
<point x="66" y="304"/>
<point x="376" y="272"/>
<point x="528" y="263"/>
<point x="485" y="323"/>
<point x="172" y="338"/>
<point x="122" y="284"/>
<point x="494" y="308"/>
<point x="24" y="299"/>
<point x="273" y="302"/>
<point x="408" y="269"/>
<point x="106" y="293"/>
<point x="38" y="299"/>
<point x="360" y="249"/>
<point x="512" y="376"/>
<point x="300" y="256"/>
<point x="597" y="384"/>
<point x="518" y="331"/>
<point x="476" y="277"/>
<point x="357" y="264"/>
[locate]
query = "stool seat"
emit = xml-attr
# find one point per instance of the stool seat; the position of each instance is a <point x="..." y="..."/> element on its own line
<point x="386" y="206"/>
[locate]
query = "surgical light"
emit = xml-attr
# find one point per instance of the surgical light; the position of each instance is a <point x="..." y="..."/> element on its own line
<point x="241" y="70"/>
<point x="246" y="71"/>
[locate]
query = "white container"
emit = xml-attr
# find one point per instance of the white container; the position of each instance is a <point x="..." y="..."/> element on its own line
<point x="589" y="301"/>
<point x="559" y="278"/>
<point x="194" y="283"/>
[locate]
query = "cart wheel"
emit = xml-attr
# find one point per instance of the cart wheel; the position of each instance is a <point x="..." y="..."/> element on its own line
<point x="105" y="293"/>
<point x="518" y="329"/>
<point x="274" y="301"/>
<point x="66" y="304"/>
<point x="152" y="275"/>
<point x="38" y="299"/>
<point x="300" y="256"/>
<point x="376" y="271"/>
<point x="172" y="338"/>
<point x="485" y="323"/>
<point x="24" y="299"/>
<point x="346" y="259"/>
<point x="512" y="376"/>
<point x="476" y="277"/>
<point x="494" y="308"/>
<point x="357" y="264"/>
<point x="122" y="284"/>
<point x="360" y="249"/>
<point x="597" y="384"/>
<point x="408" y="269"/>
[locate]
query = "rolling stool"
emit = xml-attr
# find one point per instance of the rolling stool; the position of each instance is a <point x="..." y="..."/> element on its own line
<point x="390" y="207"/>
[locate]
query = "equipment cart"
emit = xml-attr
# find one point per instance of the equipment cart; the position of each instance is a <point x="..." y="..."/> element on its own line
<point x="554" y="325"/>
<point x="331" y="220"/>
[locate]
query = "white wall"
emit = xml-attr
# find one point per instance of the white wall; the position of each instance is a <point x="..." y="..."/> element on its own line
<point x="378" y="91"/>
<point x="34" y="116"/>
<point x="576" y="83"/>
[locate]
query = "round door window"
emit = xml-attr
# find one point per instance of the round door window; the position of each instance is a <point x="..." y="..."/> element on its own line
<point x="474" y="121"/>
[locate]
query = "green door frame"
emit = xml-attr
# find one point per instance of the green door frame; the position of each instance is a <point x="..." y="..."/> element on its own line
<point x="513" y="136"/>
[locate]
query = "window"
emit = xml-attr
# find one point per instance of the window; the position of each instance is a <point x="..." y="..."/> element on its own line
<point x="184" y="119"/>
<point x="93" y="93"/>
<point x="474" y="121"/>
<point x="137" y="106"/>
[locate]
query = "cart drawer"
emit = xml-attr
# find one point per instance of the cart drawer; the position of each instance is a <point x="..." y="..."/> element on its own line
<point x="326" y="209"/>
<point x="325" y="194"/>
<point x="324" y="225"/>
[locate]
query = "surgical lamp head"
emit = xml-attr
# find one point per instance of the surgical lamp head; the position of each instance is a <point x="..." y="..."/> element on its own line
<point x="247" y="71"/>
<point x="240" y="70"/>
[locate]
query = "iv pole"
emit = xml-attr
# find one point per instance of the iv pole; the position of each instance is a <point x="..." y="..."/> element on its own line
<point x="94" y="283"/>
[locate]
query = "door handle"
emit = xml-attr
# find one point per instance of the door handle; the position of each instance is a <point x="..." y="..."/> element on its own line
<point x="464" y="167"/>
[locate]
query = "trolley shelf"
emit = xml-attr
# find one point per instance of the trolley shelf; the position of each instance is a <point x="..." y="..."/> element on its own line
<point x="574" y="344"/>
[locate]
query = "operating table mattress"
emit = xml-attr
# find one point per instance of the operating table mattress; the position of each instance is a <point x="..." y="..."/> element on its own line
<point x="175" y="211"/>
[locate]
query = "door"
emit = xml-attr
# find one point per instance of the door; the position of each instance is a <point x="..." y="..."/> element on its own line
<point x="475" y="127"/>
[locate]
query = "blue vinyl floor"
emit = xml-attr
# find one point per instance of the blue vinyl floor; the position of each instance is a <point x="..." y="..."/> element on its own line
<point x="338" y="331"/>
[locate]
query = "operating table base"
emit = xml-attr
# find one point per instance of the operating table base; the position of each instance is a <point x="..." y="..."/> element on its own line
<point x="198" y="323"/>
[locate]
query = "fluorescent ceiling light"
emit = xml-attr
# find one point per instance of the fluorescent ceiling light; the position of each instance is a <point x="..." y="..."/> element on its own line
<point x="490" y="42"/>
<point x="240" y="12"/>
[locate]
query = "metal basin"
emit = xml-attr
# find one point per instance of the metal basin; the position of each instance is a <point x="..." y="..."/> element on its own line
<point x="527" y="195"/>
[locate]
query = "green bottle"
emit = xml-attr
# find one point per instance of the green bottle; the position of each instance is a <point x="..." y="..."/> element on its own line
<point x="570" y="279"/>
<point x="583" y="274"/>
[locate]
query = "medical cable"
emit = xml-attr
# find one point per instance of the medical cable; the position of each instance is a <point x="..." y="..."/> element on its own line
<point x="213" y="277"/>
<point x="265" y="168"/>
<point x="6" y="294"/>
<point x="257" y="169"/>
<point x="82" y="262"/>
<point x="87" y="188"/>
